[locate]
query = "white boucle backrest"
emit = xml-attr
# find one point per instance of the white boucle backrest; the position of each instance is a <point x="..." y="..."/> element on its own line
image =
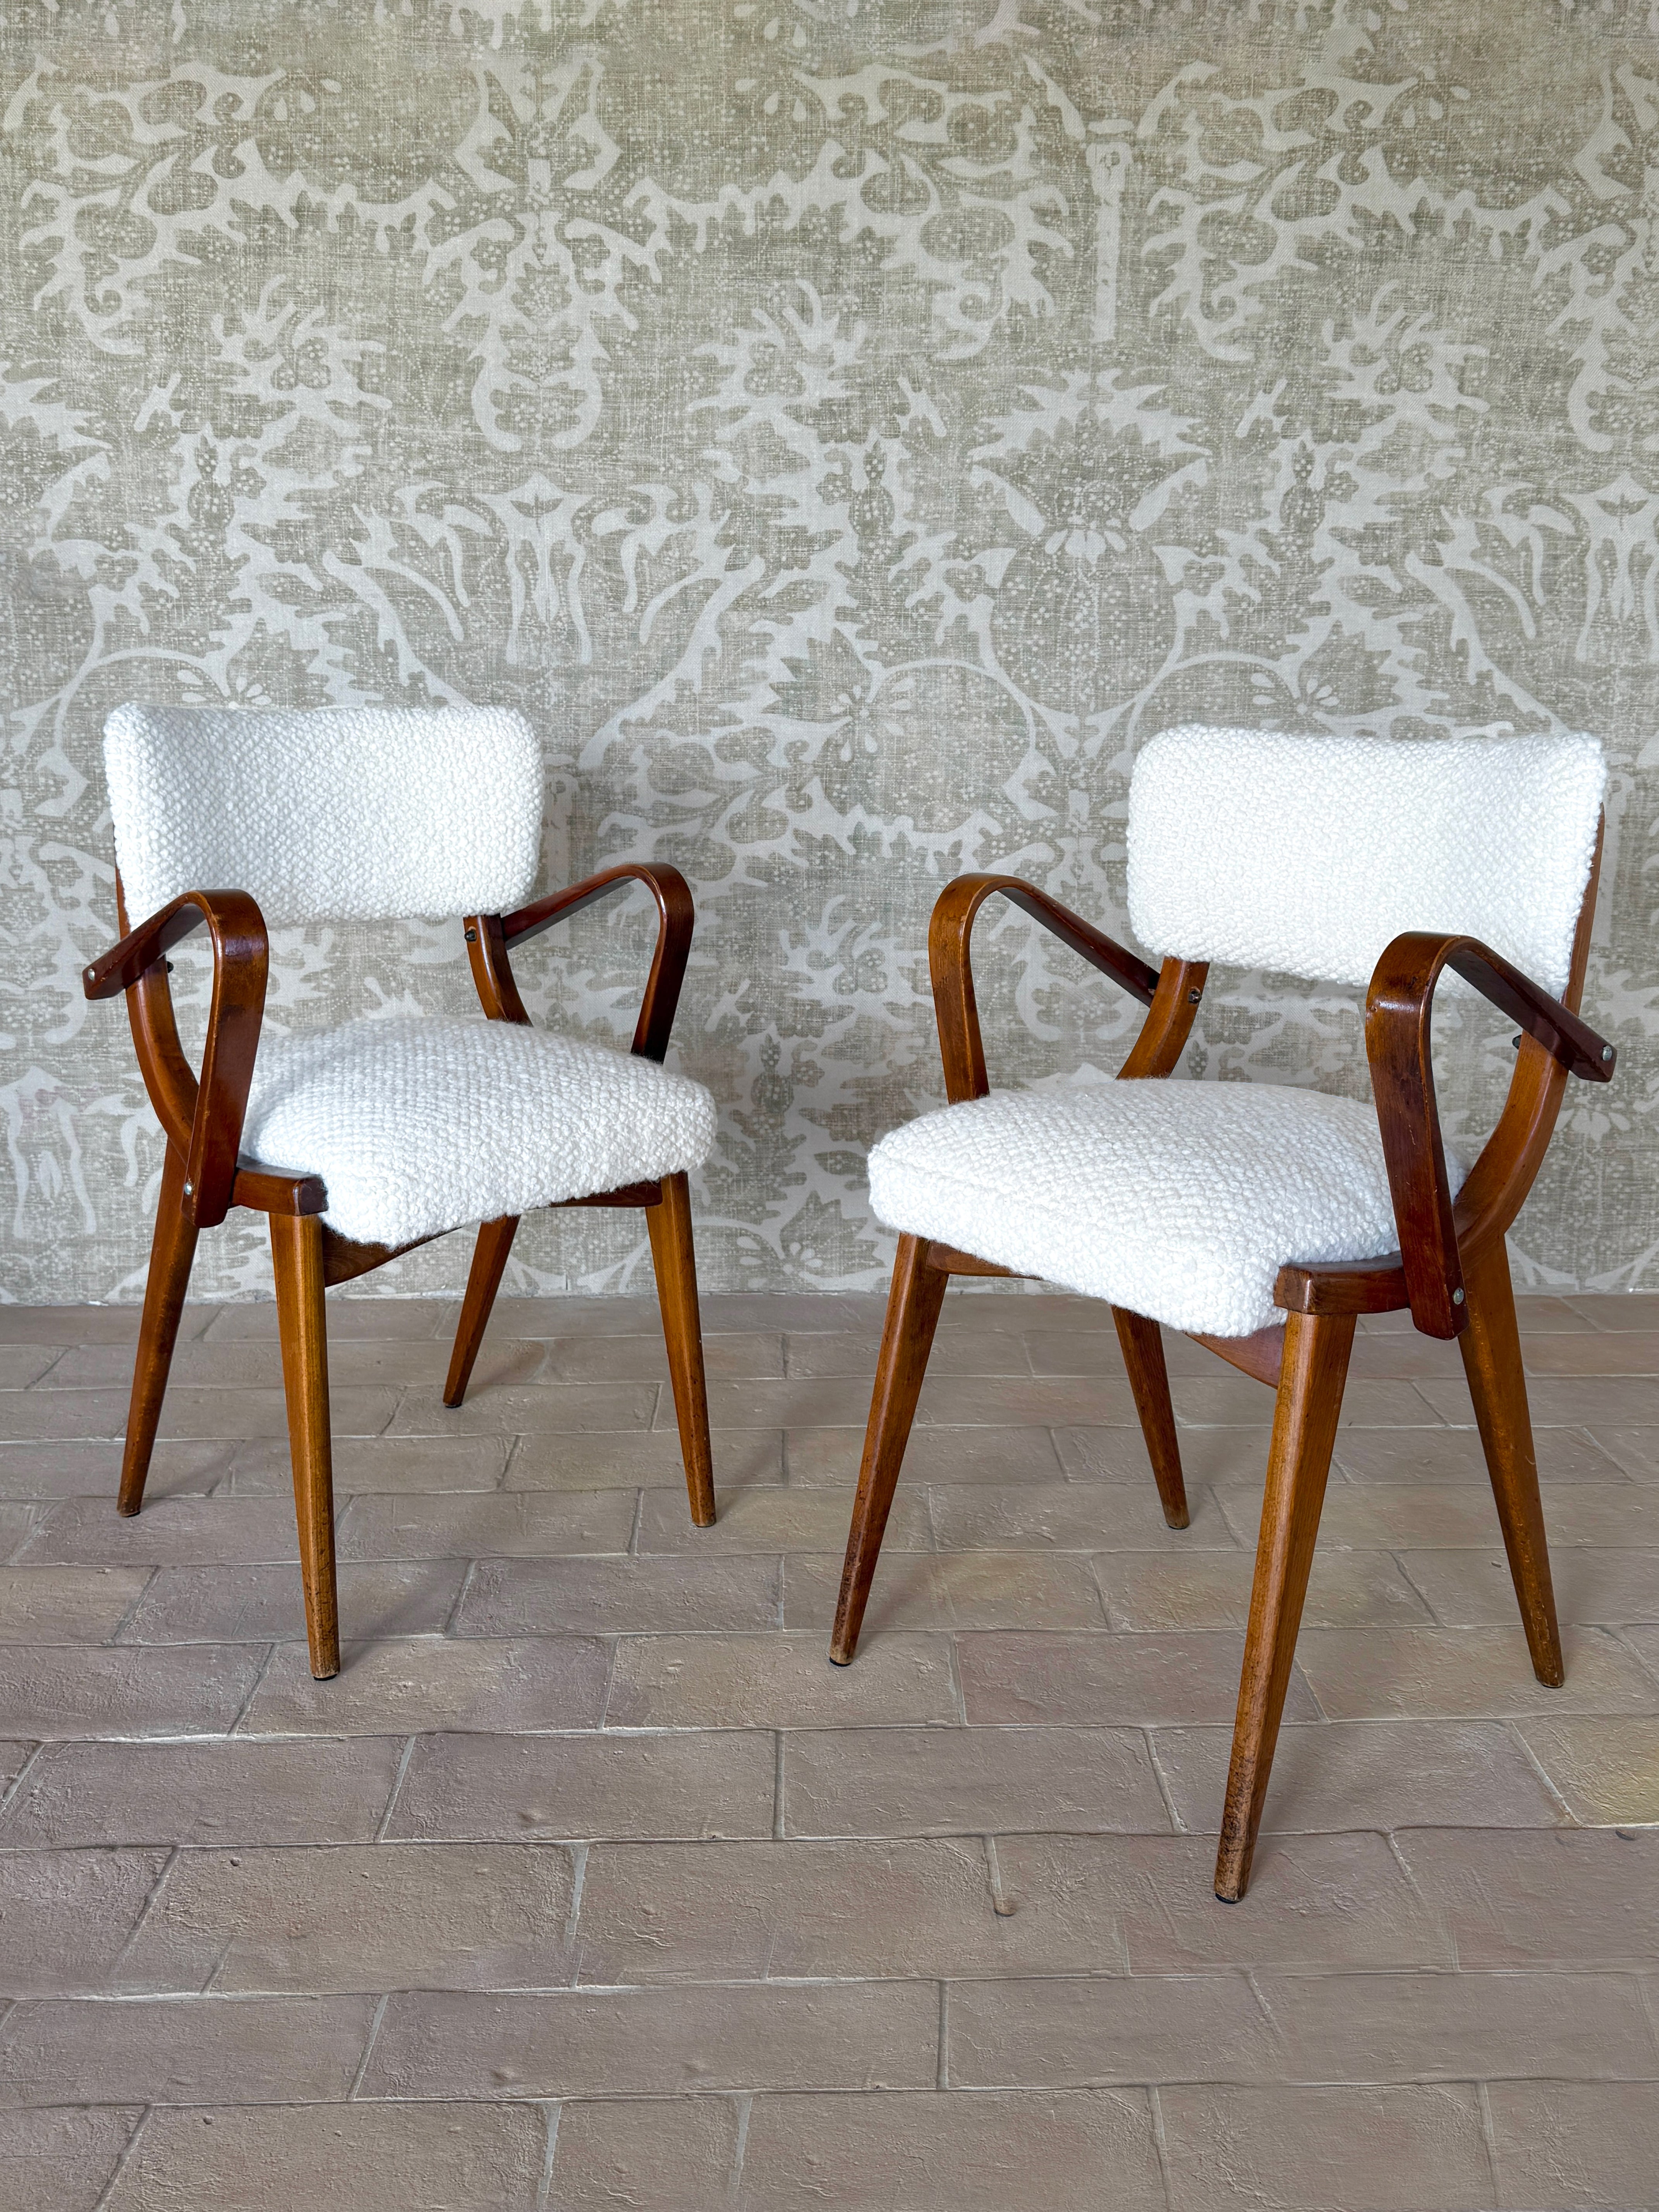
<point x="349" y="813"/>
<point x="1309" y="854"/>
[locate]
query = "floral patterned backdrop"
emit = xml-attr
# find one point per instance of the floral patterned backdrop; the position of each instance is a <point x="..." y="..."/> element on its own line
<point x="848" y="428"/>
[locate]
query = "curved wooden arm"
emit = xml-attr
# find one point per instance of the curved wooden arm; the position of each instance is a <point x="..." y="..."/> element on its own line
<point x="489" y="935"/>
<point x="1172" y="993"/>
<point x="203" y="1117"/>
<point x="1398" y="1016"/>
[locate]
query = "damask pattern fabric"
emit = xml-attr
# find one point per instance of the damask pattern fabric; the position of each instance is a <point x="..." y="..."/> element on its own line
<point x="418" y="1126"/>
<point x="1309" y="855"/>
<point x="846" y="435"/>
<point x="361" y="812"/>
<point x="1179" y="1200"/>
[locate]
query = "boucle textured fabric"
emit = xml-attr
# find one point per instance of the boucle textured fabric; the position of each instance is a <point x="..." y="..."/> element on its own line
<point x="1180" y="1201"/>
<point x="418" y="1126"/>
<point x="354" y="813"/>
<point x="1309" y="854"/>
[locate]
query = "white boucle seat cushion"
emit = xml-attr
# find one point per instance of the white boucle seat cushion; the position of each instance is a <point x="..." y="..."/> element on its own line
<point x="418" y="1126"/>
<point x="1178" y="1200"/>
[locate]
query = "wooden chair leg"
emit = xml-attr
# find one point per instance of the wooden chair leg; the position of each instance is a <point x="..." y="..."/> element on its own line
<point x="1142" y="1344"/>
<point x="675" y="1261"/>
<point x="1316" y="1349"/>
<point x="913" y="1312"/>
<point x="296" y="1252"/>
<point x="171" y="1251"/>
<point x="489" y="1265"/>
<point x="1491" y="1346"/>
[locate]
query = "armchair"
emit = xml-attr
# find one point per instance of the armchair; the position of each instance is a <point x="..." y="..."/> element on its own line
<point x="1259" y="1219"/>
<point x="361" y="1142"/>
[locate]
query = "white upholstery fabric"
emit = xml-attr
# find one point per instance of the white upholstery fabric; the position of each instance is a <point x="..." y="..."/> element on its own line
<point x="358" y="813"/>
<point x="1180" y="1201"/>
<point x="1309" y="854"/>
<point x="418" y="1126"/>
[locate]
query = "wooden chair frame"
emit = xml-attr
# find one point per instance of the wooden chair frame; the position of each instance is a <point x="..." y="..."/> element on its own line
<point x="1451" y="1270"/>
<point x="202" y="1177"/>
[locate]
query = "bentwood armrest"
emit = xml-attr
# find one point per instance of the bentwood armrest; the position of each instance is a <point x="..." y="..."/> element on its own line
<point x="1172" y="993"/>
<point x="210" y="1108"/>
<point x="1398" y="1016"/>
<point x="488" y="936"/>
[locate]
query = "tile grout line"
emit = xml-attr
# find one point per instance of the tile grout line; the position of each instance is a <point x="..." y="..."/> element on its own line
<point x="777" y="1785"/>
<point x="1515" y="1729"/>
<point x="1163" y="1787"/>
<point x="1396" y="1851"/>
<point x="13" y="1789"/>
<point x="127" y="2149"/>
<point x="1617" y="1631"/>
<point x="1160" y="2140"/>
<point x="734" y="2183"/>
<point x="1001" y="1903"/>
<point x="1489" y="2137"/>
<point x="553" y="2112"/>
<point x="369" y="2046"/>
<point x="513" y="1446"/>
<point x="269" y="1660"/>
<point x="114" y="1637"/>
<point x="613" y="1650"/>
<point x="453" y="1613"/>
<point x="1107" y="1622"/>
<point x="149" y="1905"/>
<point x="1398" y="1561"/>
<point x="34" y="1529"/>
<point x="578" y="1852"/>
<point x="953" y="1662"/>
<point x="397" y="1785"/>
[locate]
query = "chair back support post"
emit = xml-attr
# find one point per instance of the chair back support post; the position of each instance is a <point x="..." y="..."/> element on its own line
<point x="1503" y="1175"/>
<point x="1435" y="1237"/>
<point x="202" y="1116"/>
<point x="950" y="966"/>
<point x="489" y="938"/>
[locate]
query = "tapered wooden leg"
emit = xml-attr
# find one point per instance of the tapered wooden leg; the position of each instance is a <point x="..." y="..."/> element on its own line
<point x="1492" y="1359"/>
<point x="171" y="1252"/>
<point x="1317" y="1348"/>
<point x="1142" y="1344"/>
<point x="912" y="1311"/>
<point x="675" y="1261"/>
<point x="489" y="1265"/>
<point x="296" y="1252"/>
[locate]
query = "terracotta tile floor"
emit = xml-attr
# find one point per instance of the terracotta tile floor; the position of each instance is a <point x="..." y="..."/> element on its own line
<point x="589" y="1884"/>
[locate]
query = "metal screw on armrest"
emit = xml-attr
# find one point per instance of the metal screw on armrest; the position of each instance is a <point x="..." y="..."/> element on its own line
<point x="1457" y="1295"/>
<point x="1606" y="1051"/>
<point x="189" y="1192"/>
